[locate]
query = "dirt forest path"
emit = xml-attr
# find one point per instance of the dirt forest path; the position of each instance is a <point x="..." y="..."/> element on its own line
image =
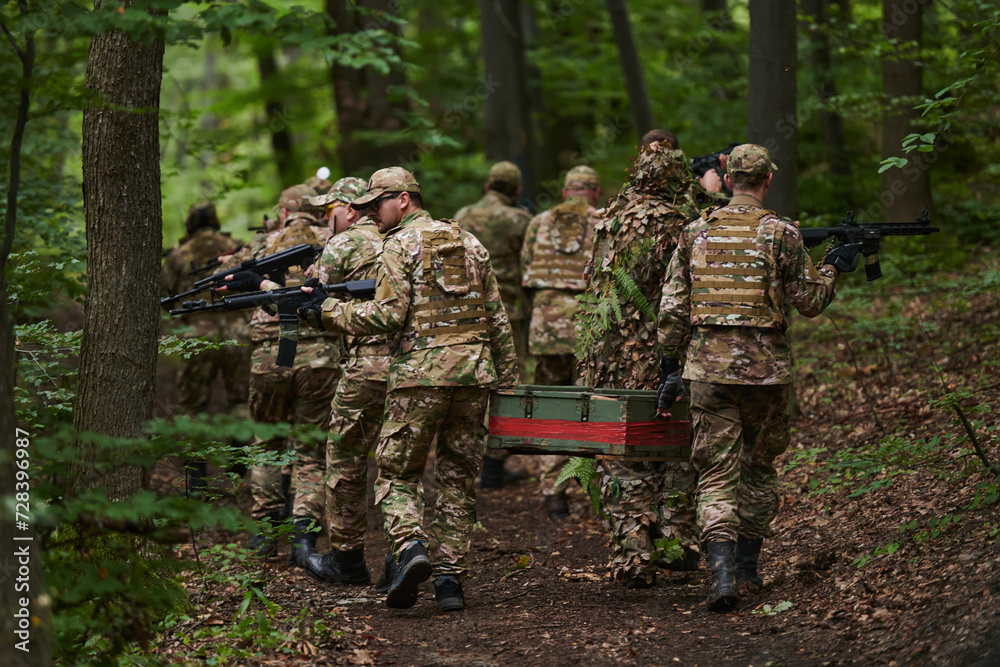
<point x="885" y="550"/>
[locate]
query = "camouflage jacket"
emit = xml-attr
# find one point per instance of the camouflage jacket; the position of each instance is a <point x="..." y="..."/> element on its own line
<point x="548" y="244"/>
<point x="353" y="255"/>
<point x="201" y="247"/>
<point x="435" y="286"/>
<point x="740" y="354"/>
<point x="500" y="227"/>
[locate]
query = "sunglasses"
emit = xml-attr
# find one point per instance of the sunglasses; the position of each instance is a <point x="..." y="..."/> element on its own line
<point x="375" y="203"/>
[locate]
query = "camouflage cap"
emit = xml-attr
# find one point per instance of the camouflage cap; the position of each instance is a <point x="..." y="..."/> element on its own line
<point x="505" y="172"/>
<point x="318" y="184"/>
<point x="582" y="178"/>
<point x="390" y="179"/>
<point x="344" y="191"/>
<point x="201" y="214"/>
<point x="749" y="162"/>
<point x="293" y="198"/>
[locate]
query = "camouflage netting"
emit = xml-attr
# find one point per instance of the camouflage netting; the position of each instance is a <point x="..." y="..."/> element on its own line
<point x="634" y="240"/>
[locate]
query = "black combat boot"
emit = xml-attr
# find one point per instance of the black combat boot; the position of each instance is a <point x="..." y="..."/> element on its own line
<point x="747" y="553"/>
<point x="303" y="542"/>
<point x="448" y="593"/>
<point x="414" y="568"/>
<point x="339" y="567"/>
<point x="723" y="595"/>
<point x="263" y="543"/>
<point x="389" y="573"/>
<point x="557" y="506"/>
<point x="687" y="563"/>
<point x="495" y="475"/>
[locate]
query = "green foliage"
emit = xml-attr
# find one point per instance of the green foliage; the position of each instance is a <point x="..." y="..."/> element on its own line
<point x="601" y="311"/>
<point x="585" y="470"/>
<point x="768" y="610"/>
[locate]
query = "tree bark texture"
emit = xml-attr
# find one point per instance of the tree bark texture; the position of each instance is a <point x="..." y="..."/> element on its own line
<point x="277" y="119"/>
<point x="635" y="82"/>
<point x="121" y="197"/>
<point x="507" y="129"/>
<point x="837" y="152"/>
<point x="905" y="192"/>
<point x="362" y="98"/>
<point x="12" y="579"/>
<point x="771" y="110"/>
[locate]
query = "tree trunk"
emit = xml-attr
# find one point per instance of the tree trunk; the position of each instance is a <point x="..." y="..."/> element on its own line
<point x="772" y="120"/>
<point x="121" y="198"/>
<point x="277" y="119"/>
<point x="33" y="646"/>
<point x="905" y="192"/>
<point x="504" y="91"/>
<point x="837" y="154"/>
<point x="635" y="83"/>
<point x="363" y="102"/>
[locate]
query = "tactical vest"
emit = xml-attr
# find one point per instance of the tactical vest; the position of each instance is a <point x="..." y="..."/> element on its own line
<point x="449" y="306"/>
<point x="296" y="232"/>
<point x="734" y="279"/>
<point x="562" y="249"/>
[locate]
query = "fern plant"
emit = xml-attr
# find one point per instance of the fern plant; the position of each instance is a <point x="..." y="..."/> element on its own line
<point x="585" y="471"/>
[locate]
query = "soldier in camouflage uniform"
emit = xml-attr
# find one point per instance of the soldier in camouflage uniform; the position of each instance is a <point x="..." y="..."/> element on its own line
<point x="299" y="395"/>
<point x="358" y="405"/>
<point x="723" y="309"/>
<point x="203" y="243"/>
<point x="500" y="227"/>
<point x="435" y="286"/>
<point x="555" y="254"/>
<point x="646" y="502"/>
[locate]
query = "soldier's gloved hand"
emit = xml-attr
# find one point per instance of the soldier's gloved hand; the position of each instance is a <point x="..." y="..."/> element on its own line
<point x="312" y="310"/>
<point x="243" y="281"/>
<point x="844" y="258"/>
<point x="671" y="386"/>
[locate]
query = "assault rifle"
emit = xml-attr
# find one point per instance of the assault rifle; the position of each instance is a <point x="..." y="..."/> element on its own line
<point x="287" y="301"/>
<point x="273" y="266"/>
<point x="868" y="235"/>
<point x="212" y="263"/>
<point x="704" y="163"/>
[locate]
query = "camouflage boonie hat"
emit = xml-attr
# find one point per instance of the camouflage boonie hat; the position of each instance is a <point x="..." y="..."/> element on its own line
<point x="750" y="162"/>
<point x="294" y="198"/>
<point x="391" y="179"/>
<point x="201" y="214"/>
<point x="344" y="191"/>
<point x="582" y="178"/>
<point x="505" y="172"/>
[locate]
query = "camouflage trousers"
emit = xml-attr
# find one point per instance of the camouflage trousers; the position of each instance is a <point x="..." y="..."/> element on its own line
<point x="646" y="501"/>
<point x="553" y="370"/>
<point x="194" y="381"/>
<point x="413" y="417"/>
<point x="737" y="433"/>
<point x="299" y="395"/>
<point x="355" y="422"/>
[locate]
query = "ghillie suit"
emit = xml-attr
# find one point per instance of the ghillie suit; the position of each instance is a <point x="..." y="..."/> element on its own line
<point x="649" y="503"/>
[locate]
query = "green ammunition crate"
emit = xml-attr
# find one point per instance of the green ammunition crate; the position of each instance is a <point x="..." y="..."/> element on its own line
<point x="579" y="421"/>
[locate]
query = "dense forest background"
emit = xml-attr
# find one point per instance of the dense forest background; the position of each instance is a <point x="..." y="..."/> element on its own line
<point x="119" y="115"/>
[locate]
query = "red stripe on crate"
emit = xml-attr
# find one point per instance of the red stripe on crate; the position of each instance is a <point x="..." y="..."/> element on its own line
<point x="664" y="433"/>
